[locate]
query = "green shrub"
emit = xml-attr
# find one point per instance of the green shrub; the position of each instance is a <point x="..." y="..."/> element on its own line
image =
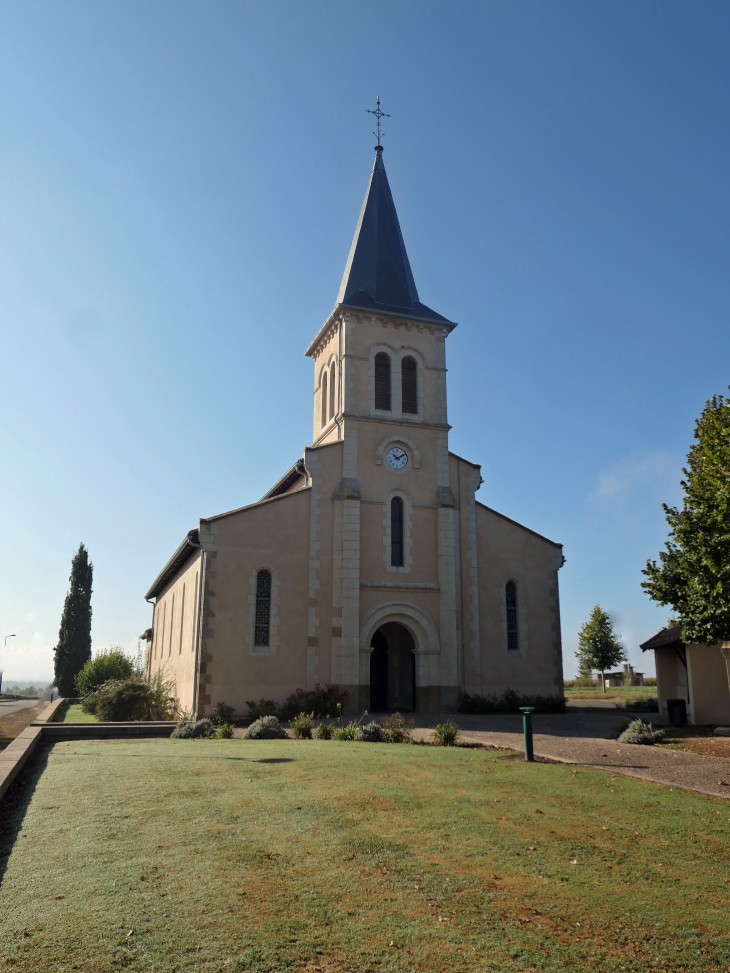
<point x="222" y="713"/>
<point x="225" y="731"/>
<point x="108" y="664"/>
<point x="265" y="728"/>
<point x="125" y="700"/>
<point x="445" y="734"/>
<point x="193" y="730"/>
<point x="302" y="726"/>
<point x="369" y="733"/>
<point x="322" y="702"/>
<point x="346" y="732"/>
<point x="397" y="729"/>
<point x="640" y="732"/>
<point x="323" y="731"/>
<point x="509" y="702"/>
<point x="264" y="707"/>
<point x="648" y="705"/>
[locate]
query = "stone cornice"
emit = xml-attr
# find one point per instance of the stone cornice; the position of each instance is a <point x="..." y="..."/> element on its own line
<point x="359" y="315"/>
<point x="408" y="423"/>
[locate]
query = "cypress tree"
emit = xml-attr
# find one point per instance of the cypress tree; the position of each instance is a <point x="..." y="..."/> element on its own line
<point x="74" y="638"/>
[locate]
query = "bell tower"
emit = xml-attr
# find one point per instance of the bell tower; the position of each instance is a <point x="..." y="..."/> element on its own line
<point x="380" y="391"/>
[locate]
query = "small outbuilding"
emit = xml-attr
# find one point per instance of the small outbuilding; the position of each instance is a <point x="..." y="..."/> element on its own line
<point x="691" y="673"/>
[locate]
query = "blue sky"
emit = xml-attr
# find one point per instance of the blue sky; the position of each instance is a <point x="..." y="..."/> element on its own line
<point x="180" y="183"/>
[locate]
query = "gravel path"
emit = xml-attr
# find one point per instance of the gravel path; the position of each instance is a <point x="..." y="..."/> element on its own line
<point x="581" y="738"/>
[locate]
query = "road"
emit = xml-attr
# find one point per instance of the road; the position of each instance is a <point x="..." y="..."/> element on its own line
<point x="12" y="706"/>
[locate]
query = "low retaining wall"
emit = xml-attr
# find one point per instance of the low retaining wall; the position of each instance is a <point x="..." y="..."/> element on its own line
<point x="105" y="731"/>
<point x="15" y="756"/>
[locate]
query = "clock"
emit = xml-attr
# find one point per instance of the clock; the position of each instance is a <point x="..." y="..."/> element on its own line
<point x="397" y="458"/>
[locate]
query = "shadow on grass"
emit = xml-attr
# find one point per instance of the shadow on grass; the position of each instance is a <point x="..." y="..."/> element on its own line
<point x="14" y="805"/>
<point x="184" y="756"/>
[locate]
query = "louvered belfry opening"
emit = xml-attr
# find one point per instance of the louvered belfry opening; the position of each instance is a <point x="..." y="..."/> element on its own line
<point x="382" y="381"/>
<point x="396" y="532"/>
<point x="409" y="379"/>
<point x="510" y="596"/>
<point x="263" y="607"/>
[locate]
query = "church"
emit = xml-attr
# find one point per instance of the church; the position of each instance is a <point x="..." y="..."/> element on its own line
<point x="370" y="564"/>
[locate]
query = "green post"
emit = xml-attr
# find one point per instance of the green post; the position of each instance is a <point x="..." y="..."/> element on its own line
<point x="527" y="712"/>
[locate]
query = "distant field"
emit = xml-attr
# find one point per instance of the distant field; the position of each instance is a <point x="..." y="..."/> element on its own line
<point x="296" y="856"/>
<point x="72" y="713"/>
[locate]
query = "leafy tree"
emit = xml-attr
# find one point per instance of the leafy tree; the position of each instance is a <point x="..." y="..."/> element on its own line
<point x="108" y="664"/>
<point x="693" y="574"/>
<point x="598" y="645"/>
<point x="74" y="637"/>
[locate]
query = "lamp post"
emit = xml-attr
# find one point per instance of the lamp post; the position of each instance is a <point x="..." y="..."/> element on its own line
<point x="6" y="639"/>
<point x="527" y="712"/>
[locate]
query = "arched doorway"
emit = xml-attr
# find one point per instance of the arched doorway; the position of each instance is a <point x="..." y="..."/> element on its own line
<point x="392" y="669"/>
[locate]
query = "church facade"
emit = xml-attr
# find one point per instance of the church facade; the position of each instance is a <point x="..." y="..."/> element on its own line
<point x="370" y="564"/>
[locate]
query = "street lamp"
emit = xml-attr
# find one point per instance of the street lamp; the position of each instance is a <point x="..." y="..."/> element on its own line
<point x="6" y="639"/>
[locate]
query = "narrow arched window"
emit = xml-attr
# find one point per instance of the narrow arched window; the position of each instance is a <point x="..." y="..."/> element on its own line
<point x="172" y="625"/>
<point x="324" y="396"/>
<point x="510" y="597"/>
<point x="396" y="532"/>
<point x="194" y="626"/>
<point x="382" y="381"/>
<point x="160" y="642"/>
<point x="333" y="386"/>
<point x="263" y="608"/>
<point x="409" y="384"/>
<point x="182" y="620"/>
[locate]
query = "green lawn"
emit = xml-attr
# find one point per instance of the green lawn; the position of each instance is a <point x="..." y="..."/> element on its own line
<point x="622" y="694"/>
<point x="274" y="856"/>
<point x="72" y="713"/>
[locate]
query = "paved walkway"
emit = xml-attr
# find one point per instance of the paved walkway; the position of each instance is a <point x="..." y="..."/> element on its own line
<point x="581" y="738"/>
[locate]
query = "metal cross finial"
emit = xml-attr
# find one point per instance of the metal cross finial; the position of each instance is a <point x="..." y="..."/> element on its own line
<point x="378" y="114"/>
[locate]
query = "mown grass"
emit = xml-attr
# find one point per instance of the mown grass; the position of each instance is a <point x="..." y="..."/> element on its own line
<point x="72" y="713"/>
<point x="276" y="856"/>
<point x="623" y="694"/>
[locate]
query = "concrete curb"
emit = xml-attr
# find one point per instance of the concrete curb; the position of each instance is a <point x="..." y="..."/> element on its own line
<point x="15" y="756"/>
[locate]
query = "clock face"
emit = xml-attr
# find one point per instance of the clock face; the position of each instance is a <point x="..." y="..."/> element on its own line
<point x="397" y="458"/>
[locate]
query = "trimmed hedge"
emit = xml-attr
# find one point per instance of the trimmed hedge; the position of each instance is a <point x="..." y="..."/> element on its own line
<point x="509" y="702"/>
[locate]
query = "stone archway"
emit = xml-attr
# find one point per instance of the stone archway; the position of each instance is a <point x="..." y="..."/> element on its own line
<point x="392" y="669"/>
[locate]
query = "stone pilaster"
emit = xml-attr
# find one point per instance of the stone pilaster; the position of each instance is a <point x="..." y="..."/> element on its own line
<point x="314" y="468"/>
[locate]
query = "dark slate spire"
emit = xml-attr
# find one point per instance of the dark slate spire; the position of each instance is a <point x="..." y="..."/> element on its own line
<point x="378" y="275"/>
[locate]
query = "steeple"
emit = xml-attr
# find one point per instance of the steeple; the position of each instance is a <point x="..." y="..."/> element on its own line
<point x="378" y="275"/>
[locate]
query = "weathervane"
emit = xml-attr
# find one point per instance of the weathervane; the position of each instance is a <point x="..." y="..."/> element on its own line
<point x="378" y="114"/>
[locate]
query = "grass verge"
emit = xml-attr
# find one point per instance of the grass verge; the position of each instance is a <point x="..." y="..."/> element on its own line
<point x="72" y="713"/>
<point x="292" y="856"/>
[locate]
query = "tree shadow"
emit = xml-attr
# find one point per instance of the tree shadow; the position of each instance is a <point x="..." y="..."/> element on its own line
<point x="14" y="805"/>
<point x="271" y="760"/>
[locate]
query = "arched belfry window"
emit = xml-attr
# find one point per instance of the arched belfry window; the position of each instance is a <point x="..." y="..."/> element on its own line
<point x="409" y="384"/>
<point x="382" y="381"/>
<point x="510" y="597"/>
<point x="324" y="396"/>
<point x="263" y="608"/>
<point x="333" y="385"/>
<point x="396" y="532"/>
